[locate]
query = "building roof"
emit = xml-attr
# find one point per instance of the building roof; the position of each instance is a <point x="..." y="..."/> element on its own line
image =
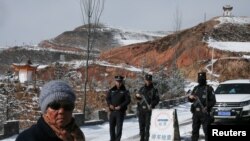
<point x="31" y="67"/>
<point x="227" y="7"/>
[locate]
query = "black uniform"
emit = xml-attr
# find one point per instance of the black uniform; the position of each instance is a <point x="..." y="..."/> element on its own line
<point x="117" y="97"/>
<point x="201" y="108"/>
<point x="149" y="100"/>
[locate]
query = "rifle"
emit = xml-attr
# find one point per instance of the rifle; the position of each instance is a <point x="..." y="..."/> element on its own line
<point x="198" y="102"/>
<point x="144" y="100"/>
<point x="204" y="109"/>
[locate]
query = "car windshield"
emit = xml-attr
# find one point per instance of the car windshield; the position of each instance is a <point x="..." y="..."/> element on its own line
<point x="233" y="89"/>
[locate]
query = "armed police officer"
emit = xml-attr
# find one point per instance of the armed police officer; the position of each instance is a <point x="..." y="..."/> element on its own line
<point x="147" y="98"/>
<point x="117" y="99"/>
<point x="203" y="100"/>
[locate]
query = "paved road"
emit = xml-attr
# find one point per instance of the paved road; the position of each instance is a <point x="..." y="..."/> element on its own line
<point x="131" y="127"/>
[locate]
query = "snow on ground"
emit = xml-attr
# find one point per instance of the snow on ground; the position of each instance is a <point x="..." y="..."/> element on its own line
<point x="130" y="41"/>
<point x="234" y="20"/>
<point x="123" y="66"/>
<point x="127" y="36"/>
<point x="230" y="46"/>
<point x="131" y="127"/>
<point x="210" y="71"/>
<point x="246" y="56"/>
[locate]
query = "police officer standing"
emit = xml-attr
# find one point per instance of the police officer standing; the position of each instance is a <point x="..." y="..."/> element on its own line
<point x="147" y="98"/>
<point x="203" y="100"/>
<point x="117" y="99"/>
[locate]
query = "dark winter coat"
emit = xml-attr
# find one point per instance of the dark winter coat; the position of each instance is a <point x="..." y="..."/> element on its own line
<point x="205" y="93"/>
<point x="118" y="97"/>
<point x="151" y="96"/>
<point x="38" y="132"/>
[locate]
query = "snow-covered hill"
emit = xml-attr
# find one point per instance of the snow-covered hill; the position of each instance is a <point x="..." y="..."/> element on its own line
<point x="126" y="37"/>
<point x="105" y="37"/>
<point x="225" y="36"/>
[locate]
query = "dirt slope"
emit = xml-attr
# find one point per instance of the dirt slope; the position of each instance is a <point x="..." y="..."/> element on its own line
<point x="185" y="48"/>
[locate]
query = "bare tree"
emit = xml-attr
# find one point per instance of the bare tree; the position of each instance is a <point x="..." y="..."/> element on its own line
<point x="170" y="83"/>
<point x="91" y="13"/>
<point x="177" y="20"/>
<point x="177" y="27"/>
<point x="161" y="81"/>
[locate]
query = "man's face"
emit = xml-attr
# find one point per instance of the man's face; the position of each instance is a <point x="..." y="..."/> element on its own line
<point x="60" y="115"/>
<point x="147" y="82"/>
<point x="118" y="84"/>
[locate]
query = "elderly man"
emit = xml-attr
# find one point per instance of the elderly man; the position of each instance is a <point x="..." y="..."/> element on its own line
<point x="57" y="101"/>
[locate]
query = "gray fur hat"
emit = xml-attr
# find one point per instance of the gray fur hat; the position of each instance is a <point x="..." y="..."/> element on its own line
<point x="55" y="90"/>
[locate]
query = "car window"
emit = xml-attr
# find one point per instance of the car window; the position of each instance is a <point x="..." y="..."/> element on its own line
<point x="233" y="89"/>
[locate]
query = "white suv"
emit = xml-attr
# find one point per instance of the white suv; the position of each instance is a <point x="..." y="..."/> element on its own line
<point x="232" y="100"/>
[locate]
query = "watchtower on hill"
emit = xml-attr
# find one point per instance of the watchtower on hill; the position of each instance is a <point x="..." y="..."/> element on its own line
<point x="227" y="10"/>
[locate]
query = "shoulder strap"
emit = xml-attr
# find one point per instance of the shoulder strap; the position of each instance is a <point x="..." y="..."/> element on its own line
<point x="206" y="95"/>
<point x="194" y="90"/>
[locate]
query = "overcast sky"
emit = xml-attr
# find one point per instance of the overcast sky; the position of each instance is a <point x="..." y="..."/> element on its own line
<point x="31" y="21"/>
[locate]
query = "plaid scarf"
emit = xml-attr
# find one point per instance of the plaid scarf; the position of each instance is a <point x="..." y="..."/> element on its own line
<point x="70" y="133"/>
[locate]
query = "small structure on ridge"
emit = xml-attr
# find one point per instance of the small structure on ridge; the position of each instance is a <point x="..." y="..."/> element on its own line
<point x="227" y="10"/>
<point x="25" y="71"/>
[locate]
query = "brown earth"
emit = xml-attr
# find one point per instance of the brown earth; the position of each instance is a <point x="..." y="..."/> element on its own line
<point x="186" y="48"/>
